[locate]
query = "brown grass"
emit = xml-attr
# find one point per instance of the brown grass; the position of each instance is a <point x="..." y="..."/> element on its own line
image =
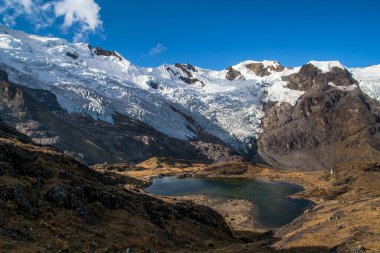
<point x="346" y="217"/>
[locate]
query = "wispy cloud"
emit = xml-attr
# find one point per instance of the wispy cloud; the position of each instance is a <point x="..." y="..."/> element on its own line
<point x="10" y="10"/>
<point x="81" y="15"/>
<point x="158" y="49"/>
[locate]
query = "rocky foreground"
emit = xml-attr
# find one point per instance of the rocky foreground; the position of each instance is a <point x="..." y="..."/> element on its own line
<point x="51" y="203"/>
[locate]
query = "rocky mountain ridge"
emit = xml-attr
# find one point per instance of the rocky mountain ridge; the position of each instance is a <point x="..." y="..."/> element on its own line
<point x="260" y="110"/>
<point x="329" y="124"/>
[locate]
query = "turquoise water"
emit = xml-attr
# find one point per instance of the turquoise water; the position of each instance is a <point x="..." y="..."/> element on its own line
<point x="273" y="208"/>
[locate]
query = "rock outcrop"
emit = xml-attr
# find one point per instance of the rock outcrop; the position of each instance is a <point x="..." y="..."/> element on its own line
<point x="232" y="74"/>
<point x="310" y="76"/>
<point x="260" y="70"/>
<point x="102" y="52"/>
<point x="330" y="123"/>
<point x="185" y="73"/>
<point x="186" y="68"/>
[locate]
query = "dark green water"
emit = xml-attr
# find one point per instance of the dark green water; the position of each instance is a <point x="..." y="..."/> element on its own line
<point x="273" y="208"/>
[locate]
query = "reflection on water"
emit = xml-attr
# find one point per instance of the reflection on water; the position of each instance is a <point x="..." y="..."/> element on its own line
<point x="272" y="206"/>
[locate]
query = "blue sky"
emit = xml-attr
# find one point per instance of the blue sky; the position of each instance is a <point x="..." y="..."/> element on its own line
<point x="215" y="34"/>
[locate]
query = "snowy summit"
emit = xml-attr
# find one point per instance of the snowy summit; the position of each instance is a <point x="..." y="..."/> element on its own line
<point x="99" y="83"/>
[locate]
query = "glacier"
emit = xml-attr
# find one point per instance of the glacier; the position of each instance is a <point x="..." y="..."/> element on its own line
<point x="100" y="85"/>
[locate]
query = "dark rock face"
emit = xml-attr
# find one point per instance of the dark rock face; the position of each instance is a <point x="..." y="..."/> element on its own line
<point x="185" y="73"/>
<point x="71" y="55"/>
<point x="155" y="85"/>
<point x="215" y="150"/>
<point x="260" y="70"/>
<point x="186" y="68"/>
<point x="3" y="76"/>
<point x="232" y="74"/>
<point x="327" y="126"/>
<point x="189" y="80"/>
<point x="310" y="76"/>
<point x="44" y="97"/>
<point x="103" y="52"/>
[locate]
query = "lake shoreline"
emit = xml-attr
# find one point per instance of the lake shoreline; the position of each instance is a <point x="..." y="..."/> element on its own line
<point x="245" y="207"/>
<point x="242" y="219"/>
<point x="347" y="202"/>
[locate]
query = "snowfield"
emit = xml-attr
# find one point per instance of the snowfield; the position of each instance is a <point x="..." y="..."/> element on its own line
<point x="99" y="86"/>
<point x="326" y="66"/>
<point x="369" y="80"/>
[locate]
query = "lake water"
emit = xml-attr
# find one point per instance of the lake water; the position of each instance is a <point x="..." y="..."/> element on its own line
<point x="273" y="207"/>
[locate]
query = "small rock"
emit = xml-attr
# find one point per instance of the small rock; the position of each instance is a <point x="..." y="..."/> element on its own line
<point x="335" y="216"/>
<point x="358" y="249"/>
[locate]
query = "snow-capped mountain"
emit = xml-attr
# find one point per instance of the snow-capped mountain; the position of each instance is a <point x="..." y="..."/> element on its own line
<point x="99" y="83"/>
<point x="228" y="104"/>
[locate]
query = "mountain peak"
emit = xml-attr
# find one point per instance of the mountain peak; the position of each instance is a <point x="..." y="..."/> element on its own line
<point x="326" y="66"/>
<point x="227" y="104"/>
<point x="265" y="63"/>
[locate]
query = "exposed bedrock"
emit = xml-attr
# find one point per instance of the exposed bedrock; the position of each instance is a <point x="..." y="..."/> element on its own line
<point x="333" y="122"/>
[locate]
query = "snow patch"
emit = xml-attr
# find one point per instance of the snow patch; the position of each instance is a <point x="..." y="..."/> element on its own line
<point x="326" y="66"/>
<point x="351" y="87"/>
<point x="369" y="80"/>
<point x="279" y="93"/>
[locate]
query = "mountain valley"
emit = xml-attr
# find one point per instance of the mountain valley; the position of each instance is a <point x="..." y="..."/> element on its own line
<point x="84" y="132"/>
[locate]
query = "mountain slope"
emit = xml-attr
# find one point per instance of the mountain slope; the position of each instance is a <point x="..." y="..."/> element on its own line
<point x="208" y="110"/>
<point x="99" y="83"/>
<point x="333" y="122"/>
<point x="51" y="203"/>
<point x="37" y="114"/>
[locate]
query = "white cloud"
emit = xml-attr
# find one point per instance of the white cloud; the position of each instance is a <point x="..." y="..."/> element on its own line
<point x="12" y="9"/>
<point x="27" y="4"/>
<point x="83" y="15"/>
<point x="158" y="49"/>
<point x="84" y="12"/>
